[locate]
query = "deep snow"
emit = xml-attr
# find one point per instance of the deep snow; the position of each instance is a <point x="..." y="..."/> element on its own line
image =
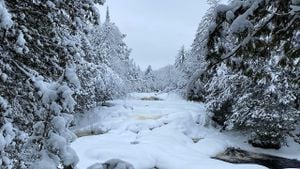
<point x="159" y="134"/>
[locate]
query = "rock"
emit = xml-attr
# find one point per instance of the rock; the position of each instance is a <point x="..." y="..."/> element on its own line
<point x="112" y="164"/>
<point x="117" y="164"/>
<point x="107" y="104"/>
<point x="196" y="140"/>
<point x="266" y="144"/>
<point x="152" y="98"/>
<point x="96" y="166"/>
<point x="89" y="132"/>
<point x="135" y="142"/>
<point x="238" y="156"/>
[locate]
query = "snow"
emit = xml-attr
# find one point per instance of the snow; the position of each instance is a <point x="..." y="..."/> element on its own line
<point x="295" y="6"/>
<point x="159" y="133"/>
<point x="241" y="23"/>
<point x="45" y="162"/>
<point x="50" y="92"/>
<point x="50" y="4"/>
<point x="21" y="41"/>
<point x="6" y="135"/>
<point x="295" y="9"/>
<point x="5" y="17"/>
<point x="20" y="47"/>
<point x="3" y="103"/>
<point x="96" y="166"/>
<point x="56" y="141"/>
<point x="229" y="15"/>
<point x="96" y="10"/>
<point x="59" y="123"/>
<point x="72" y="77"/>
<point x="4" y="77"/>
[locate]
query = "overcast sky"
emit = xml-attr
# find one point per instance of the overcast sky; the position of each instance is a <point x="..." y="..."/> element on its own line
<point x="156" y="29"/>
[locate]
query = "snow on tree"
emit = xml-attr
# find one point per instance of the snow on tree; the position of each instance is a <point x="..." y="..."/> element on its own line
<point x="197" y="64"/>
<point x="111" y="49"/>
<point x="149" y="81"/>
<point x="181" y="58"/>
<point x="7" y="135"/>
<point x="53" y="64"/>
<point x="5" y="17"/>
<point x="183" y="62"/>
<point x="108" y="85"/>
<point x="49" y="142"/>
<point x="168" y="79"/>
<point x="187" y="63"/>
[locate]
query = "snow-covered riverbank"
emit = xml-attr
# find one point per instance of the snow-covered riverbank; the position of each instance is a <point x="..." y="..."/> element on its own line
<point x="168" y="134"/>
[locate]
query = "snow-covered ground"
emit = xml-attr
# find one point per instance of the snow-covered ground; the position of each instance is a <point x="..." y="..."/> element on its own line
<point x="168" y="134"/>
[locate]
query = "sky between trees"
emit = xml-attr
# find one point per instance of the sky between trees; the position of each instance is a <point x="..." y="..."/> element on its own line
<point x="170" y="24"/>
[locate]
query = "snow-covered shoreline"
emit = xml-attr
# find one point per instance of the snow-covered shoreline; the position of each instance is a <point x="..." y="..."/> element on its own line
<point x="160" y="134"/>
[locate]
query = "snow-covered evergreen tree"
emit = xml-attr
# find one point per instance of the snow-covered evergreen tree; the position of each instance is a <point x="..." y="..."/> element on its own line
<point x="252" y="50"/>
<point x="40" y="42"/>
<point x="180" y="59"/>
<point x="111" y="49"/>
<point x="198" y="76"/>
<point x="149" y="81"/>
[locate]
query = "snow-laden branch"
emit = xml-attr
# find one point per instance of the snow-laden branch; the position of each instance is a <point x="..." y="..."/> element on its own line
<point x="245" y="41"/>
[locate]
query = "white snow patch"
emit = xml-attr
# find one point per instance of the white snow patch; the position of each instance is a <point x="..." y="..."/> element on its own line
<point x="50" y="4"/>
<point x="45" y="162"/>
<point x="4" y="77"/>
<point x="20" y="47"/>
<point x="72" y="77"/>
<point x="5" y="17"/>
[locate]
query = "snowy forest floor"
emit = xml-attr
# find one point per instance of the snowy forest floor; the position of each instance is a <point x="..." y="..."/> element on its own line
<point x="170" y="133"/>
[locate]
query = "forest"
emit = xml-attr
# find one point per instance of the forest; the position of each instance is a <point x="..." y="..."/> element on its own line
<point x="67" y="81"/>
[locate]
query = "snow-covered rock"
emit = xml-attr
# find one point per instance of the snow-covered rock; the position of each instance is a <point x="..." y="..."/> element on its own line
<point x="117" y="164"/>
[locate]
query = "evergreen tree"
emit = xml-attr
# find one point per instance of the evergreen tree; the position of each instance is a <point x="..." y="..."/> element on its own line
<point x="254" y="44"/>
<point x="112" y="49"/>
<point x="40" y="40"/>
<point x="180" y="59"/>
<point x="149" y="80"/>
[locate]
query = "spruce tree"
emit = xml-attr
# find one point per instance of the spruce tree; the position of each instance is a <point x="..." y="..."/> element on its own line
<point x="40" y="40"/>
<point x="253" y="50"/>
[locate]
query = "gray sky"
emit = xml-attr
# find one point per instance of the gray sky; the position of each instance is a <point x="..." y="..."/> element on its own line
<point x="156" y="29"/>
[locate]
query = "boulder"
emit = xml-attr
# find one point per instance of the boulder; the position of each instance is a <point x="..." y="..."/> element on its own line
<point x="112" y="164"/>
